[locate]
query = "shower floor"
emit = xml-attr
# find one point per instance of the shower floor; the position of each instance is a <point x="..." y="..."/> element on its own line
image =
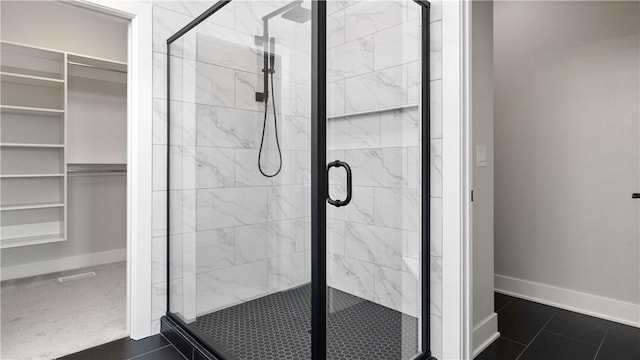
<point x="277" y="327"/>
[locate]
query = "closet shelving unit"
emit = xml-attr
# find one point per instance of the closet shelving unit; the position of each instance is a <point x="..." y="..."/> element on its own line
<point x="34" y="146"/>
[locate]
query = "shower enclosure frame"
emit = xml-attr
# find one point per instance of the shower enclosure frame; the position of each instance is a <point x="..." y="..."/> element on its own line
<point x="190" y="341"/>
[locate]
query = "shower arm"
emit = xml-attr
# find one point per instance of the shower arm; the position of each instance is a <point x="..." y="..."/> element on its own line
<point x="269" y="54"/>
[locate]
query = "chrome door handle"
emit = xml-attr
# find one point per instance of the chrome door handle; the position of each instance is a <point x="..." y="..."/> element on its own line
<point x="347" y="200"/>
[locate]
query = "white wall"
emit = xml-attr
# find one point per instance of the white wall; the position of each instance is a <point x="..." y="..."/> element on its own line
<point x="55" y="25"/>
<point x="567" y="153"/>
<point x="484" y="319"/>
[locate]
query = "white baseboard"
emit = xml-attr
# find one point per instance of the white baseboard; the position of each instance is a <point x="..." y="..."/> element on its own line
<point x="62" y="264"/>
<point x="589" y="304"/>
<point x="485" y="333"/>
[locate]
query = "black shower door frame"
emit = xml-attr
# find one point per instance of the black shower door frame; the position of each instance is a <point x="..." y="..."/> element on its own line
<point x="319" y="183"/>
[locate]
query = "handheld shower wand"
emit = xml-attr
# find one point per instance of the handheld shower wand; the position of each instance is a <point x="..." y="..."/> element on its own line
<point x="270" y="69"/>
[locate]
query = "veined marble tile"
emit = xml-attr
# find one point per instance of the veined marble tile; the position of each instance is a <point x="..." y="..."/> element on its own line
<point x="351" y="276"/>
<point x="337" y="5"/>
<point x="246" y="169"/>
<point x="375" y="244"/>
<point x="435" y="284"/>
<point x="287" y="271"/>
<point x="436" y="109"/>
<point x="297" y="62"/>
<point x="336" y="98"/>
<point x="436" y="168"/>
<point x="414" y="167"/>
<point x="215" y="249"/>
<point x="397" y="208"/>
<point x="287" y="98"/>
<point x="160" y="167"/>
<point x="189" y="260"/>
<point x="400" y="127"/>
<point x="246" y="86"/>
<point x="295" y="132"/>
<point x="215" y="167"/>
<point x="286" y="202"/>
<point x="225" y="207"/>
<point x="414" y="83"/>
<point x="158" y="300"/>
<point x="215" y="85"/>
<point x="397" y="290"/>
<point x="377" y="90"/>
<point x="435" y="58"/>
<point x="193" y="8"/>
<point x="354" y="132"/>
<point x="414" y="10"/>
<point x="189" y="300"/>
<point x="436" y="226"/>
<point x="160" y="110"/>
<point x="303" y="100"/>
<point x="189" y="123"/>
<point x="336" y="241"/>
<point x="159" y="258"/>
<point x="378" y="167"/>
<point x="367" y="17"/>
<point x="289" y="170"/>
<point x="224" y="127"/>
<point x="189" y="211"/>
<point x="336" y="63"/>
<point x="303" y="167"/>
<point x="253" y="242"/>
<point x="159" y="212"/>
<point x="165" y="24"/>
<point x="360" y="209"/>
<point x="217" y="51"/>
<point x="335" y="27"/>
<point x="221" y="288"/>
<point x="303" y="231"/>
<point x="357" y="56"/>
<point x="285" y="237"/>
<point x="189" y="81"/>
<point x="397" y="45"/>
<point x="189" y="168"/>
<point x="160" y="77"/>
<point x="412" y="245"/>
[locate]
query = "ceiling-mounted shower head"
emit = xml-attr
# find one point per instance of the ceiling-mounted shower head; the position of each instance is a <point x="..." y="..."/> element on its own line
<point x="298" y="14"/>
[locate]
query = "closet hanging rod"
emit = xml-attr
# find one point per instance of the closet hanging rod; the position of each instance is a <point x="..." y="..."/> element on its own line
<point x="95" y="67"/>
<point x="96" y="171"/>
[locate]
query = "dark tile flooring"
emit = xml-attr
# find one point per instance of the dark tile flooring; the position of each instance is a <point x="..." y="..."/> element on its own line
<point x="151" y="348"/>
<point x="532" y="331"/>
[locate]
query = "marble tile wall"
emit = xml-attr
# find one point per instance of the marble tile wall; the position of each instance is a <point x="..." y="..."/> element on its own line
<point x="373" y="95"/>
<point x="259" y="241"/>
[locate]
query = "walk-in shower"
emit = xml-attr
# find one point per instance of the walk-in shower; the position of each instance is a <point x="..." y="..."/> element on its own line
<point x="330" y="258"/>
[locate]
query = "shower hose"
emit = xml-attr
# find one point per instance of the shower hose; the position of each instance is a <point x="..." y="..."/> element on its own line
<point x="264" y="129"/>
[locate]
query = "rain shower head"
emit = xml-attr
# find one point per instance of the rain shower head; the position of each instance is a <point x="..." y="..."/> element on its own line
<point x="298" y="14"/>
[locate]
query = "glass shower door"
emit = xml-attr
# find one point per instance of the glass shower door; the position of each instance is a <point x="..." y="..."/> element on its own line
<point x="239" y="198"/>
<point x="374" y="149"/>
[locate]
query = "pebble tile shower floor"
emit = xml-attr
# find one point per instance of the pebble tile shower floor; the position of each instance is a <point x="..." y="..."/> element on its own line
<point x="277" y="327"/>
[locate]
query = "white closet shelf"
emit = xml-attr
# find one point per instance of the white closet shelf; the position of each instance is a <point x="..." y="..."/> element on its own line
<point x="30" y="206"/>
<point x="30" y="110"/>
<point x="30" y="240"/>
<point x="31" y="175"/>
<point x="29" y="145"/>
<point x="17" y="78"/>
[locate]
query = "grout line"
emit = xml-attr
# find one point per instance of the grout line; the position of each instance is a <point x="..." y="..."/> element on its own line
<point x="149" y="352"/>
<point x="569" y="337"/>
<point x="505" y="305"/>
<point x="539" y="332"/>
<point x="600" y="347"/>
<point x="513" y="341"/>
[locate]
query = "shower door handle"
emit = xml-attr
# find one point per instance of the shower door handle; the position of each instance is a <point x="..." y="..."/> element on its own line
<point x="347" y="168"/>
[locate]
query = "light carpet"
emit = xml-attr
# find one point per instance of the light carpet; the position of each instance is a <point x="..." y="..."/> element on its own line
<point x="43" y="318"/>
